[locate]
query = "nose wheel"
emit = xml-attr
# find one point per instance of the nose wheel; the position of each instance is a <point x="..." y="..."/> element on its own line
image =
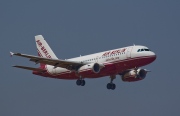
<point x="111" y="85"/>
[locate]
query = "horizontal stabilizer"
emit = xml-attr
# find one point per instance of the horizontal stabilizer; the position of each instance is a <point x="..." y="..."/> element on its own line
<point x="30" y="68"/>
<point x="147" y="70"/>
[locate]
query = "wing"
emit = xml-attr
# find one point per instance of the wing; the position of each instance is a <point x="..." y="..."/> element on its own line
<point x="70" y="65"/>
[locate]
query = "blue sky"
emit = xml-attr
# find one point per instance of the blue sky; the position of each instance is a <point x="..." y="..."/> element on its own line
<point x="81" y="27"/>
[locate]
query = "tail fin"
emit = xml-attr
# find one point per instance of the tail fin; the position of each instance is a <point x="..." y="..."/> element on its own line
<point x="43" y="48"/>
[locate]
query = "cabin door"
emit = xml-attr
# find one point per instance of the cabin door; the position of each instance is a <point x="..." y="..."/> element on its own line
<point x="128" y="53"/>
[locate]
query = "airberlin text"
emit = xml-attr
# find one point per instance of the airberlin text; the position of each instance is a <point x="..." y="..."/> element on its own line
<point x="109" y="53"/>
<point x="43" y="49"/>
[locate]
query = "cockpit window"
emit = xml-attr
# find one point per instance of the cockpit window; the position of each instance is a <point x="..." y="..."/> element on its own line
<point x="145" y="49"/>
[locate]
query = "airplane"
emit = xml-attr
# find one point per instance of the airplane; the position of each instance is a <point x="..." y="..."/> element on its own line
<point x="125" y="62"/>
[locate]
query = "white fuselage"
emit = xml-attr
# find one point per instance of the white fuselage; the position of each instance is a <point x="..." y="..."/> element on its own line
<point x="106" y="57"/>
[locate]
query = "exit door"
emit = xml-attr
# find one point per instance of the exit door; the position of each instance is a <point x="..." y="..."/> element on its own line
<point x="128" y="53"/>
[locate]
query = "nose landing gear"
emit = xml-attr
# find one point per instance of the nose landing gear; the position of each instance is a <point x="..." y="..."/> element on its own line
<point x="111" y="86"/>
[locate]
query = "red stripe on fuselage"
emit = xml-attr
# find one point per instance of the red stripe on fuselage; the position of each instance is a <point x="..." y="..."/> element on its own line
<point x="111" y="68"/>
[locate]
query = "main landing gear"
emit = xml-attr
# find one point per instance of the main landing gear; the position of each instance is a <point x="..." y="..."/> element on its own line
<point x="111" y="85"/>
<point x="80" y="82"/>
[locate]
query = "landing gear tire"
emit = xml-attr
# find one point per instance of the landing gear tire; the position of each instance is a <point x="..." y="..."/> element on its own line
<point x="80" y="82"/>
<point x="83" y="82"/>
<point x="111" y="86"/>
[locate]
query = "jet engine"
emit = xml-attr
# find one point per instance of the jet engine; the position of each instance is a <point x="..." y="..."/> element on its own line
<point x="90" y="68"/>
<point x="134" y="75"/>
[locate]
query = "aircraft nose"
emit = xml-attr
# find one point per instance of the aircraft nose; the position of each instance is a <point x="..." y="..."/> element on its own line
<point x="153" y="55"/>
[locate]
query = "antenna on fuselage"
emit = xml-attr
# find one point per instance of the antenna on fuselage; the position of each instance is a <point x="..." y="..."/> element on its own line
<point x="134" y="44"/>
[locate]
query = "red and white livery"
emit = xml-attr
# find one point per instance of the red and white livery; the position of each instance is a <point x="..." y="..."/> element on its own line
<point x="122" y="61"/>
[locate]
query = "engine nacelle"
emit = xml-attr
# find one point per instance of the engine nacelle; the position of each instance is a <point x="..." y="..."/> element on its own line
<point x="134" y="75"/>
<point x="90" y="69"/>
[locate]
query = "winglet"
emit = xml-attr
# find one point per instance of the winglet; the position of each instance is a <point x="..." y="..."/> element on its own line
<point x="11" y="53"/>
